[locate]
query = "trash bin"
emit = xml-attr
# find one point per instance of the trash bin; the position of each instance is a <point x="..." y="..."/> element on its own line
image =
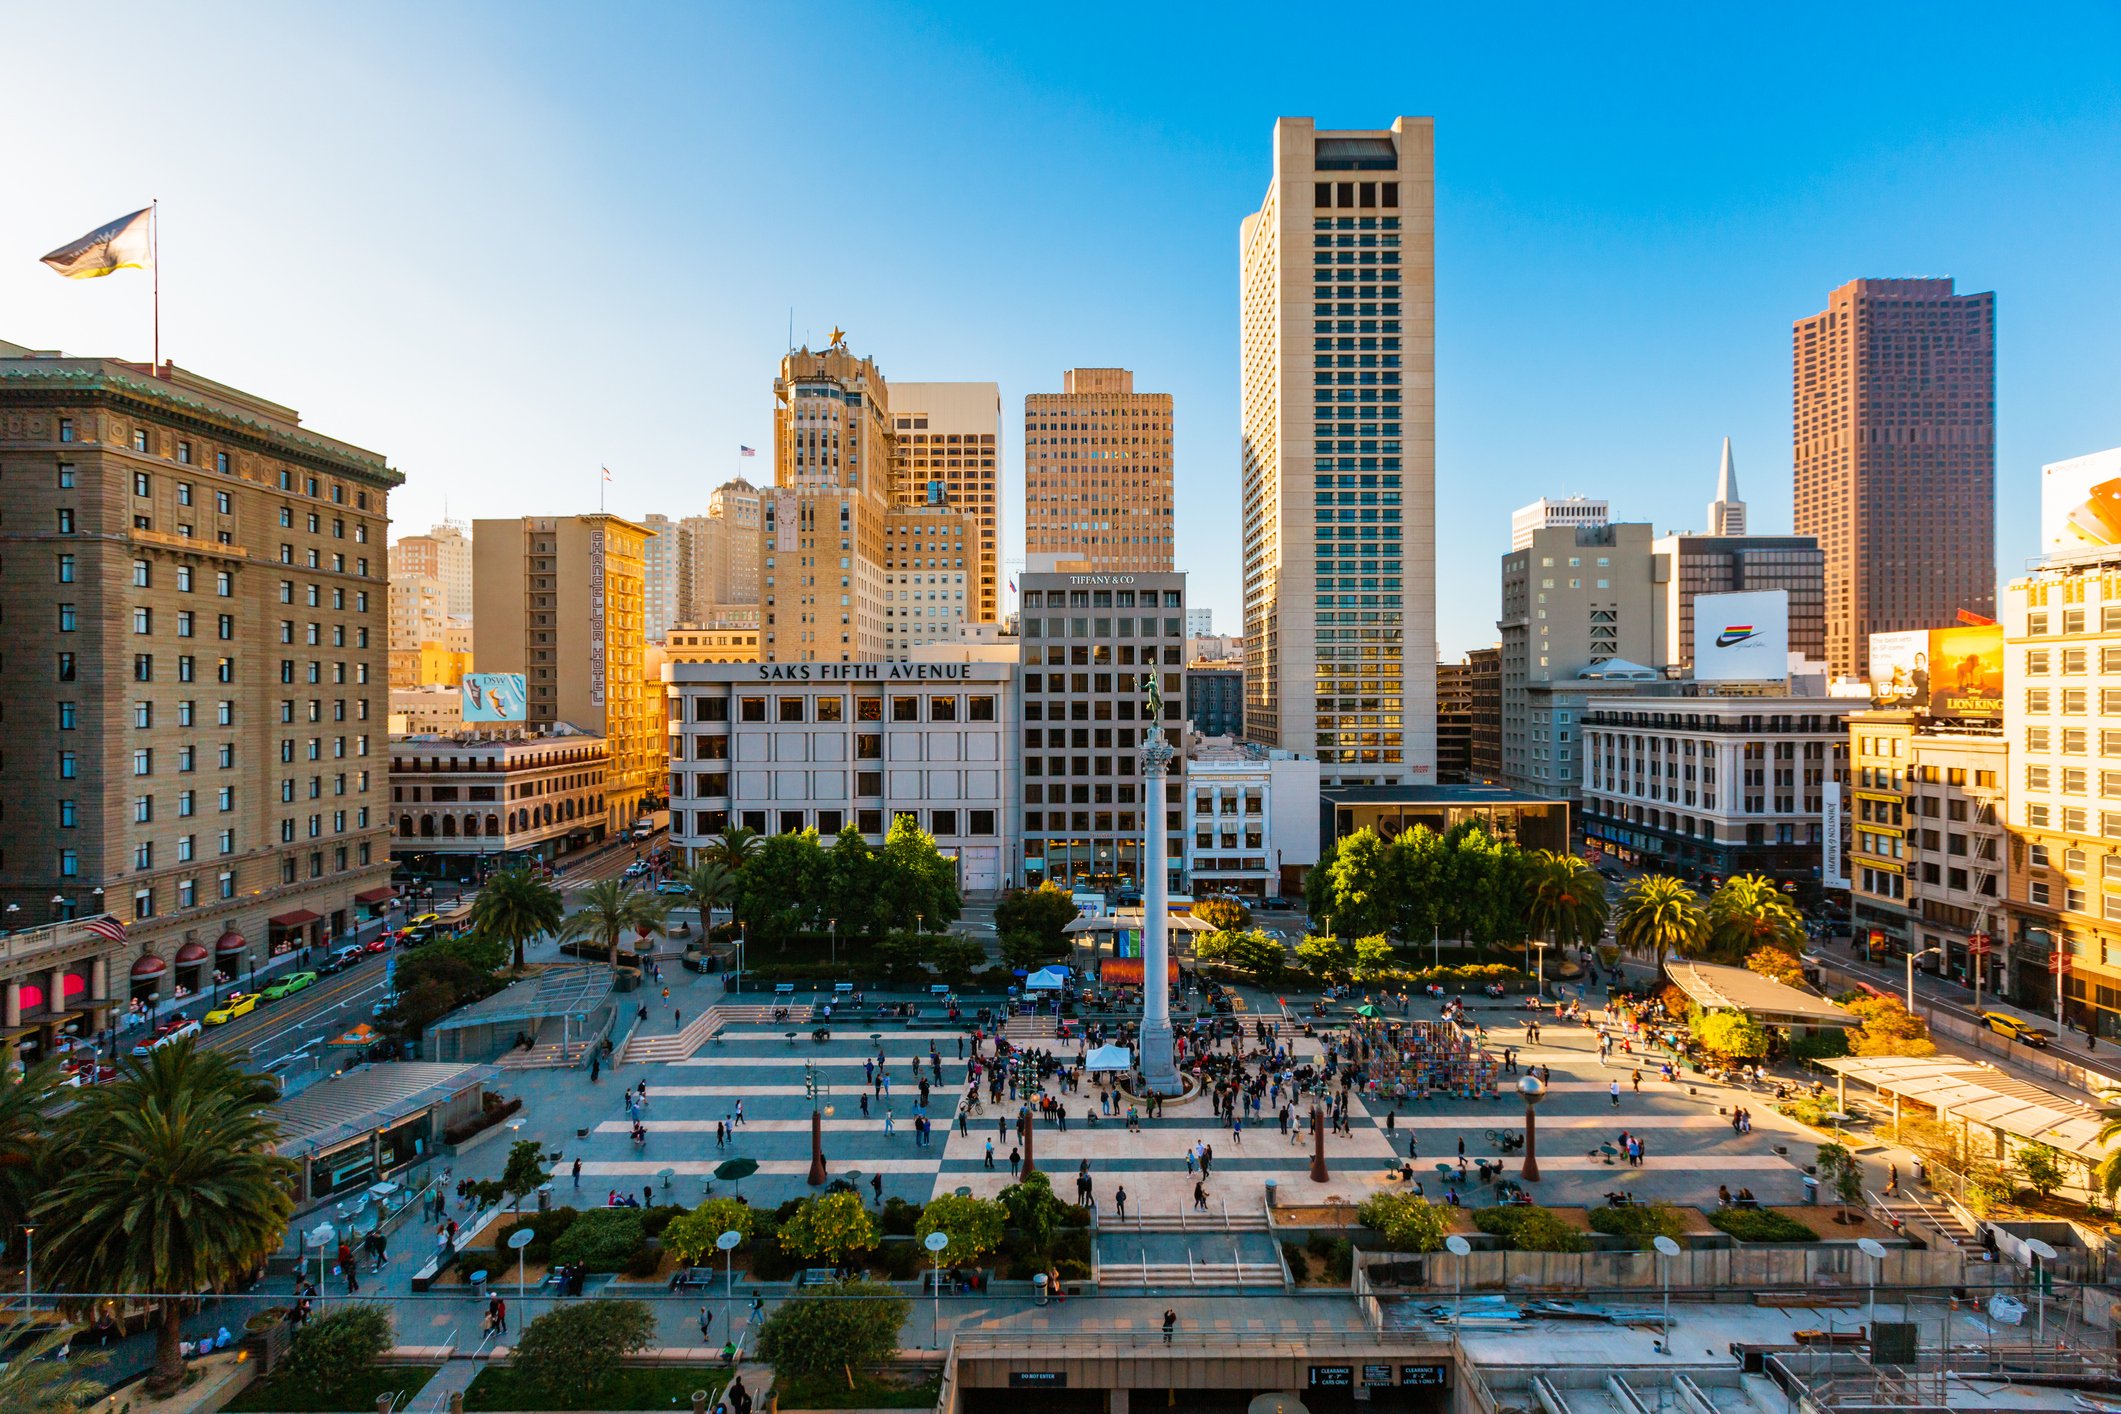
<point x="1270" y="1193"/>
<point x="545" y="1197"/>
<point x="1038" y="1284"/>
<point x="478" y="1284"/>
<point x="1811" y="1191"/>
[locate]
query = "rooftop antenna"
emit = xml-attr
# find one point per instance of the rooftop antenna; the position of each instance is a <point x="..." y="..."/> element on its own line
<point x="791" y="328"/>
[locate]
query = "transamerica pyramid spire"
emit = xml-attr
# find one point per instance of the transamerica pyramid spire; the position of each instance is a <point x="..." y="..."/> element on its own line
<point x="1727" y="512"/>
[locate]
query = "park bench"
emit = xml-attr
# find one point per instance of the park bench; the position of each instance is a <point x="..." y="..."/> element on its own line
<point x="688" y="1277"/>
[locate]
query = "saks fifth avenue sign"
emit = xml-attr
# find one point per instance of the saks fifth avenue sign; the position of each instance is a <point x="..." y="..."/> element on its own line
<point x="865" y="672"/>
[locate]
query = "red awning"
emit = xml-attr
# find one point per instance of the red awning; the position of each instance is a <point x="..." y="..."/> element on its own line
<point x="190" y="952"/>
<point x="296" y="919"/>
<point x="231" y="941"/>
<point x="148" y="965"/>
<point x="382" y="895"/>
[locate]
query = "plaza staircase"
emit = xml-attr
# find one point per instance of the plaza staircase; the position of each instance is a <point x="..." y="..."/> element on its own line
<point x="761" y="1014"/>
<point x="1937" y="1221"/>
<point x="1194" y="1272"/>
<point x="1023" y="1029"/>
<point x="549" y="1051"/>
<point x="673" y="1045"/>
<point x="1180" y="1221"/>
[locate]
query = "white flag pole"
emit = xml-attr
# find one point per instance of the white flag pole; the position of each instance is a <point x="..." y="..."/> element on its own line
<point x="154" y="239"/>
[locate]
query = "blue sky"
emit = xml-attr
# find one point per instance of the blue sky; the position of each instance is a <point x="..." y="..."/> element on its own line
<point x="506" y="245"/>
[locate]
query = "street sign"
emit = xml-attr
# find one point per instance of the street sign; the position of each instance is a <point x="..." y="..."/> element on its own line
<point x="1980" y="944"/>
<point x="2058" y="961"/>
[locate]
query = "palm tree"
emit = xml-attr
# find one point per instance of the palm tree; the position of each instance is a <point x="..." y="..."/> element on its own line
<point x="24" y="1130"/>
<point x="165" y="1185"/>
<point x="709" y="885"/>
<point x="733" y="846"/>
<point x="516" y="906"/>
<point x="1567" y="902"/>
<point x="37" y="1380"/>
<point x="1660" y="916"/>
<point x="2107" y="1172"/>
<point x="1749" y="912"/>
<point x="611" y="907"/>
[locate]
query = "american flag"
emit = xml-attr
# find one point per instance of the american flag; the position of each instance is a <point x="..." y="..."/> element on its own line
<point x="744" y="451"/>
<point x="106" y="926"/>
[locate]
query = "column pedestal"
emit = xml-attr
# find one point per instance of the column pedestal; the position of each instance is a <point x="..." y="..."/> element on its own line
<point x="1158" y="1069"/>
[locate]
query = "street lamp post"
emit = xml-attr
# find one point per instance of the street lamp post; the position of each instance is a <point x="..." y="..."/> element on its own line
<point x="728" y="1242"/>
<point x="832" y="929"/>
<point x="1667" y="1249"/>
<point x="1541" y="945"/>
<point x="1926" y="952"/>
<point x="935" y="1242"/>
<point x="29" y="1263"/>
<point x="1872" y="1248"/>
<point x="521" y="1238"/>
<point x="1533" y="1093"/>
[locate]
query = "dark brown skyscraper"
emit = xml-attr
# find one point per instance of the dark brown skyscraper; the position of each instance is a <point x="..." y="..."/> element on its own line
<point x="1895" y="440"/>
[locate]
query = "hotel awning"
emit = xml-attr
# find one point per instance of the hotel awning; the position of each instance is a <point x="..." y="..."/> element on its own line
<point x="381" y="895"/>
<point x="299" y="918"/>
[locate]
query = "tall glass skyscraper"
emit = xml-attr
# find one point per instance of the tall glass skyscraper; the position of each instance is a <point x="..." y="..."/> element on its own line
<point x="1337" y="286"/>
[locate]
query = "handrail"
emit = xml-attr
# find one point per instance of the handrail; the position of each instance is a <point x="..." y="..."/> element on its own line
<point x="1296" y="1338"/>
<point x="1226" y="1213"/>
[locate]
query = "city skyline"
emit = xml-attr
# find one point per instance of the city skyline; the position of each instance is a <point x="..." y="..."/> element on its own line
<point x="1643" y="300"/>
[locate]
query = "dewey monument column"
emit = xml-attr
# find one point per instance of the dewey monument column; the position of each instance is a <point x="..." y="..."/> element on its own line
<point x="1155" y="1060"/>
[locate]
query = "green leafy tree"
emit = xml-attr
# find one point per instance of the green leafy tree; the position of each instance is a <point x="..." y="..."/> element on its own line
<point x="1034" y="1212"/>
<point x="974" y="1225"/>
<point x="1046" y="911"/>
<point x="24" y="1135"/>
<point x="1029" y="951"/>
<point x="1841" y="1172"/>
<point x="1373" y="958"/>
<point x="1319" y="898"/>
<point x="1776" y="964"/>
<point x="1888" y="1029"/>
<point x="1406" y="1221"/>
<point x="37" y="1380"/>
<point x="1362" y="901"/>
<point x="782" y="886"/>
<point x="610" y="909"/>
<point x="526" y="1170"/>
<point x="1253" y="951"/>
<point x="164" y="1183"/>
<point x="2106" y="1174"/>
<point x="1750" y="912"/>
<point x="955" y="957"/>
<point x="1326" y="958"/>
<point x="1661" y="917"/>
<point x="690" y="1236"/>
<point x="1566" y="902"/>
<point x="515" y="906"/>
<point x="830" y="1227"/>
<point x="1730" y="1034"/>
<point x="857" y="1324"/>
<point x="571" y="1350"/>
<point x="331" y="1349"/>
<point x="1484" y="884"/>
<point x="2043" y="1167"/>
<point x="917" y="884"/>
<point x="1225" y="915"/>
<point x="853" y="872"/>
<point x="1415" y="870"/>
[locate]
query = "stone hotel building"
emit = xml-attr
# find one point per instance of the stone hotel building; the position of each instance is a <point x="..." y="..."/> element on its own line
<point x="194" y="685"/>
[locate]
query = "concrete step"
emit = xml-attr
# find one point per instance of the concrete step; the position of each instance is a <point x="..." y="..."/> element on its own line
<point x="545" y="1057"/>
<point x="1181" y="1222"/>
<point x="1132" y="1274"/>
<point x="749" y="1014"/>
<point x="1936" y="1218"/>
<point x="1031" y="1028"/>
<point x="675" y="1045"/>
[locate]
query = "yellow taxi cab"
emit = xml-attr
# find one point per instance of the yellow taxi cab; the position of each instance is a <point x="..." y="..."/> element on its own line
<point x="2004" y="1024"/>
<point x="422" y="920"/>
<point x="238" y="1004"/>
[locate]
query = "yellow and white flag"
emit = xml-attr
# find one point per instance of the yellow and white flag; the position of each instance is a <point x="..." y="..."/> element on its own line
<point x="125" y="244"/>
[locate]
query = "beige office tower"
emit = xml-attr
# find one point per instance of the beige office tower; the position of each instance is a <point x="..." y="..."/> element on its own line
<point x="443" y="553"/>
<point x="560" y="600"/>
<point x="1097" y="473"/>
<point x="821" y="565"/>
<point x="1337" y="279"/>
<point x="193" y="687"/>
<point x="662" y="572"/>
<point x="719" y="555"/>
<point x="929" y="556"/>
<point x="947" y="452"/>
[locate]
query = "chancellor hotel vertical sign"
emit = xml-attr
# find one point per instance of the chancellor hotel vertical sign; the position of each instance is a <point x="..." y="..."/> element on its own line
<point x="596" y="617"/>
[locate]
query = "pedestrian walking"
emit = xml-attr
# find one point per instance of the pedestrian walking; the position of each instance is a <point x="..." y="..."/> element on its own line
<point x="990" y="1154"/>
<point x="578" y="1173"/>
<point x="876" y="1186"/>
<point x="1614" y="1091"/>
<point x="596" y="1063"/>
<point x="706" y="1323"/>
<point x="1170" y="1323"/>
<point x="1119" y="1201"/>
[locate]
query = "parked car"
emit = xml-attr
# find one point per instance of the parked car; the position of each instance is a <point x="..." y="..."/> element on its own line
<point x="236" y="1004"/>
<point x="422" y="920"/>
<point x="287" y="986"/>
<point x="2004" y="1024"/>
<point x="379" y="943"/>
<point x="171" y="1029"/>
<point x="341" y="959"/>
<point x="1274" y="903"/>
<point x="671" y="886"/>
